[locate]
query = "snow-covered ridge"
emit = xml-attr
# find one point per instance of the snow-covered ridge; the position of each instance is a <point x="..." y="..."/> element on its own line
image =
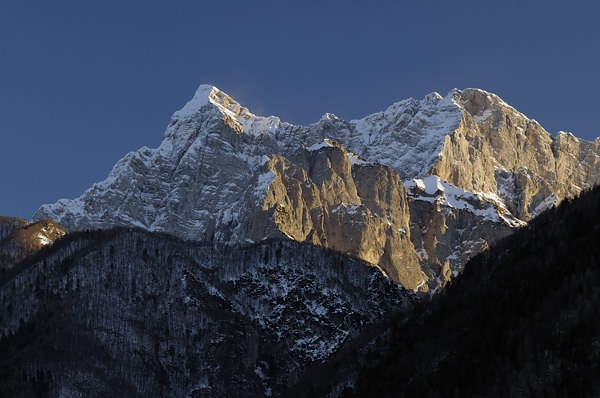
<point x="327" y="143"/>
<point x="408" y="135"/>
<point x="238" y="115"/>
<point x="201" y="98"/>
<point x="486" y="205"/>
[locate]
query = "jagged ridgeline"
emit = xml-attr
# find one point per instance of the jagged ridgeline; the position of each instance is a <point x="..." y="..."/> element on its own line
<point x="130" y="313"/>
<point x="415" y="190"/>
<point x="520" y="321"/>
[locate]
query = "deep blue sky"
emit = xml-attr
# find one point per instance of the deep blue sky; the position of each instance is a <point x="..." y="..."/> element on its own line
<point x="84" y="82"/>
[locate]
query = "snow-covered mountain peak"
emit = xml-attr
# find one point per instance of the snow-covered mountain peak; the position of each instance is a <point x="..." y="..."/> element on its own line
<point x="476" y="101"/>
<point x="207" y="94"/>
<point x="433" y="97"/>
<point x="408" y="135"/>
<point x="329" y="116"/>
<point x="199" y="100"/>
<point x="238" y="117"/>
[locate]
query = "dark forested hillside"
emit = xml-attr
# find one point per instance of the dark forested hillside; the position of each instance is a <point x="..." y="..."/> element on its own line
<point x="131" y="313"/>
<point x="523" y="320"/>
<point x="134" y="314"/>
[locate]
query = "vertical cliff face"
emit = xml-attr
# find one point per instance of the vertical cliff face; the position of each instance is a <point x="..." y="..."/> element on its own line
<point x="333" y="199"/>
<point x="495" y="149"/>
<point x="477" y="143"/>
<point x="224" y="175"/>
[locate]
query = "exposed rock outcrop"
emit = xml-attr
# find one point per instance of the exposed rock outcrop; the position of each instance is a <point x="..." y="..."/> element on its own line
<point x="335" y="200"/>
<point x="19" y="238"/>
<point x="496" y="149"/>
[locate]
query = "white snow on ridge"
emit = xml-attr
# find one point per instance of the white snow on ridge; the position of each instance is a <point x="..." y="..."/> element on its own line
<point x="486" y="205"/>
<point x="257" y="125"/>
<point x="200" y="98"/>
<point x="320" y="145"/>
<point x="433" y="185"/>
<point x="355" y="159"/>
<point x="247" y="121"/>
<point x="409" y="135"/>
<point x="429" y="185"/>
<point x="263" y="183"/>
<point x="151" y="188"/>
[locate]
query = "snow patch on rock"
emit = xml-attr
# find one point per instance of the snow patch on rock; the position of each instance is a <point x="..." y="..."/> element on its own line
<point x="486" y="205"/>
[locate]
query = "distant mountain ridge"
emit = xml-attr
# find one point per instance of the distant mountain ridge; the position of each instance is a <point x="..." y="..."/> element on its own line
<point x="363" y="187"/>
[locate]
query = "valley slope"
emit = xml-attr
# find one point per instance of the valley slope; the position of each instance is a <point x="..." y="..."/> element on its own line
<point x="520" y="321"/>
<point x="131" y="313"/>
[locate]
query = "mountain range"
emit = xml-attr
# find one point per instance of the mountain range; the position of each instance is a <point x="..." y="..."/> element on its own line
<point x="415" y="190"/>
<point x="245" y="255"/>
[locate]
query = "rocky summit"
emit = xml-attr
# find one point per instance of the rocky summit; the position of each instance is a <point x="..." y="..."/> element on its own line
<point x="415" y="190"/>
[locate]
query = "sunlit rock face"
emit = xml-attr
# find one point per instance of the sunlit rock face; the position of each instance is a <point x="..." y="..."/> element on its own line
<point x="333" y="199"/>
<point x="19" y="238"/>
<point x="363" y="187"/>
<point x="496" y="149"/>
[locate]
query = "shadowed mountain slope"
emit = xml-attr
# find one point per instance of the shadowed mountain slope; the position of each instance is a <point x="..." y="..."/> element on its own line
<point x="521" y="320"/>
<point x="132" y="313"/>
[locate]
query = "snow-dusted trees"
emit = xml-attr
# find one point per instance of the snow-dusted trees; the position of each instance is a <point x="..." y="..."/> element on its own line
<point x="142" y="314"/>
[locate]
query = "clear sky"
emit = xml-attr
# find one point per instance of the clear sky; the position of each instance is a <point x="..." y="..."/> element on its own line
<point x="83" y="82"/>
